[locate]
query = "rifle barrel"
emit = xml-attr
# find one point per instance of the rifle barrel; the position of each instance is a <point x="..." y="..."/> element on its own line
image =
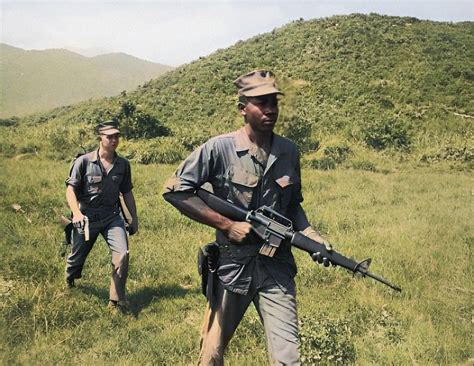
<point x="383" y="280"/>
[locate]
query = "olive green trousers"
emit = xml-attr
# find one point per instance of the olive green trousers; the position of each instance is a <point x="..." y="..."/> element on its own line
<point x="277" y="311"/>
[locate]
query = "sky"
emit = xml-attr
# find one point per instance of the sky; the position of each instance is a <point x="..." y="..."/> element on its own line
<point x="180" y="31"/>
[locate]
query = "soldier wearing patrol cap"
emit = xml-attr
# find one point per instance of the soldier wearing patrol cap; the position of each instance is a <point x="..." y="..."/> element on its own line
<point x="251" y="167"/>
<point x="95" y="182"/>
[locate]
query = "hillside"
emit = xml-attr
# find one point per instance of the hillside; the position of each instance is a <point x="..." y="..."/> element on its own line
<point x="34" y="81"/>
<point x="387" y="101"/>
<point x="356" y="86"/>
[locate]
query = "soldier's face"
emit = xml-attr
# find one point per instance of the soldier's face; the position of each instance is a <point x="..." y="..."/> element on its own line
<point x="110" y="142"/>
<point x="261" y="113"/>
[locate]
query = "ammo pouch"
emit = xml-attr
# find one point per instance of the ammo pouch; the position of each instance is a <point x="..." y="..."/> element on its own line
<point x="208" y="257"/>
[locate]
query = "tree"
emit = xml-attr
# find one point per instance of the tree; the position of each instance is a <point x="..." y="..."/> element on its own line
<point x="137" y="124"/>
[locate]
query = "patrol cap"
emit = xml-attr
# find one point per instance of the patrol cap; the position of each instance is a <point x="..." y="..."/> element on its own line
<point x="256" y="83"/>
<point x="108" y="128"/>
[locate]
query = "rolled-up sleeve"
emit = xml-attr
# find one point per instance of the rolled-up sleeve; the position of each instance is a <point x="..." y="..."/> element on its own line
<point x="193" y="172"/>
<point x="75" y="175"/>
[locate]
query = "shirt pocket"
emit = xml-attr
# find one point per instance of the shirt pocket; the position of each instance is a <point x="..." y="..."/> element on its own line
<point x="241" y="184"/>
<point x="94" y="183"/>
<point x="117" y="179"/>
<point x="286" y="182"/>
<point x="114" y="187"/>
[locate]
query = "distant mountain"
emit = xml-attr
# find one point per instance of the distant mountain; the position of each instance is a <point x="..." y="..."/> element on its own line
<point x="89" y="52"/>
<point x="33" y="81"/>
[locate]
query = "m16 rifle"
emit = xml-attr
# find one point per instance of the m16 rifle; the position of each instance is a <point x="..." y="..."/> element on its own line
<point x="273" y="228"/>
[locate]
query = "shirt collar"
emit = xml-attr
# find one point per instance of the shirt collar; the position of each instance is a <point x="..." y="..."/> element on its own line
<point x="243" y="143"/>
<point x="95" y="156"/>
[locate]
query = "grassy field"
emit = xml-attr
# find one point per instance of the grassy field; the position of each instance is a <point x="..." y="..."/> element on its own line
<point x="416" y="224"/>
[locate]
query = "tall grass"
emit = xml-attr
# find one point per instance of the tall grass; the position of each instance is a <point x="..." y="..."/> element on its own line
<point x="416" y="224"/>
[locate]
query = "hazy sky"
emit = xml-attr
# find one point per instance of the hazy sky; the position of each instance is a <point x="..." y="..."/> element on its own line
<point x="177" y="32"/>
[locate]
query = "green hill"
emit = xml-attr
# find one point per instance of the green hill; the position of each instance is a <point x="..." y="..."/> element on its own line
<point x="384" y="94"/>
<point x="355" y="86"/>
<point x="34" y="81"/>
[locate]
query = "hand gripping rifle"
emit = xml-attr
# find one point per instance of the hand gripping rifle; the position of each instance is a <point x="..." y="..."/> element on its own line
<point x="273" y="228"/>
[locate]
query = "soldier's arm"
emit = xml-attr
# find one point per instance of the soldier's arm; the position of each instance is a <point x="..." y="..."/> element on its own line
<point x="77" y="216"/>
<point x="301" y="223"/>
<point x="132" y="208"/>
<point x="193" y="207"/>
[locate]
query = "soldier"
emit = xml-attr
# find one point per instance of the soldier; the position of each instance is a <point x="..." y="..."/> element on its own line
<point x="250" y="167"/>
<point x="95" y="182"/>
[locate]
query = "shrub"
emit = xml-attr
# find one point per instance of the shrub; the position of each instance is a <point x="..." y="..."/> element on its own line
<point x="364" y="165"/>
<point x="9" y="122"/>
<point x="64" y="143"/>
<point x="329" y="157"/>
<point x="324" y="163"/>
<point x="28" y="148"/>
<point x="142" y="125"/>
<point x="461" y="154"/>
<point x="387" y="133"/>
<point x="138" y="124"/>
<point x="61" y="140"/>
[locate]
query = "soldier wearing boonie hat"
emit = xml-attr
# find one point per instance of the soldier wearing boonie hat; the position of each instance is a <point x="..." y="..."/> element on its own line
<point x="95" y="182"/>
<point x="250" y="167"/>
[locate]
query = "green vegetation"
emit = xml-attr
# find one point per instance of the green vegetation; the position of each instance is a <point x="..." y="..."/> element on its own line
<point x="382" y="110"/>
<point x="415" y="224"/>
<point x="35" y="81"/>
<point x="399" y="87"/>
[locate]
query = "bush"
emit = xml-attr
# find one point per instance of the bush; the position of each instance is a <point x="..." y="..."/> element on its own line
<point x="364" y="165"/>
<point x="28" y="148"/>
<point x="329" y="157"/>
<point x="324" y="163"/>
<point x="142" y="125"/>
<point x="9" y="122"/>
<point x="461" y="154"/>
<point x="387" y="133"/>
<point x="61" y="140"/>
<point x="137" y="124"/>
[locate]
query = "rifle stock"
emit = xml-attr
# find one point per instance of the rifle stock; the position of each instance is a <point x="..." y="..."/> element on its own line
<point x="262" y="219"/>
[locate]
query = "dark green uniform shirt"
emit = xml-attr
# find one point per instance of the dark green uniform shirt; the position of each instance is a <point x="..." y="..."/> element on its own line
<point x="97" y="190"/>
<point x="230" y="163"/>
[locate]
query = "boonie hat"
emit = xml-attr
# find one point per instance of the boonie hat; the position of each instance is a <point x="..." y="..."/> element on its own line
<point x="107" y="128"/>
<point x="256" y="83"/>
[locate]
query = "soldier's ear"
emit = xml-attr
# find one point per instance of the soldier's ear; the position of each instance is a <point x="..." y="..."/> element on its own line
<point x="242" y="102"/>
<point x="242" y="109"/>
